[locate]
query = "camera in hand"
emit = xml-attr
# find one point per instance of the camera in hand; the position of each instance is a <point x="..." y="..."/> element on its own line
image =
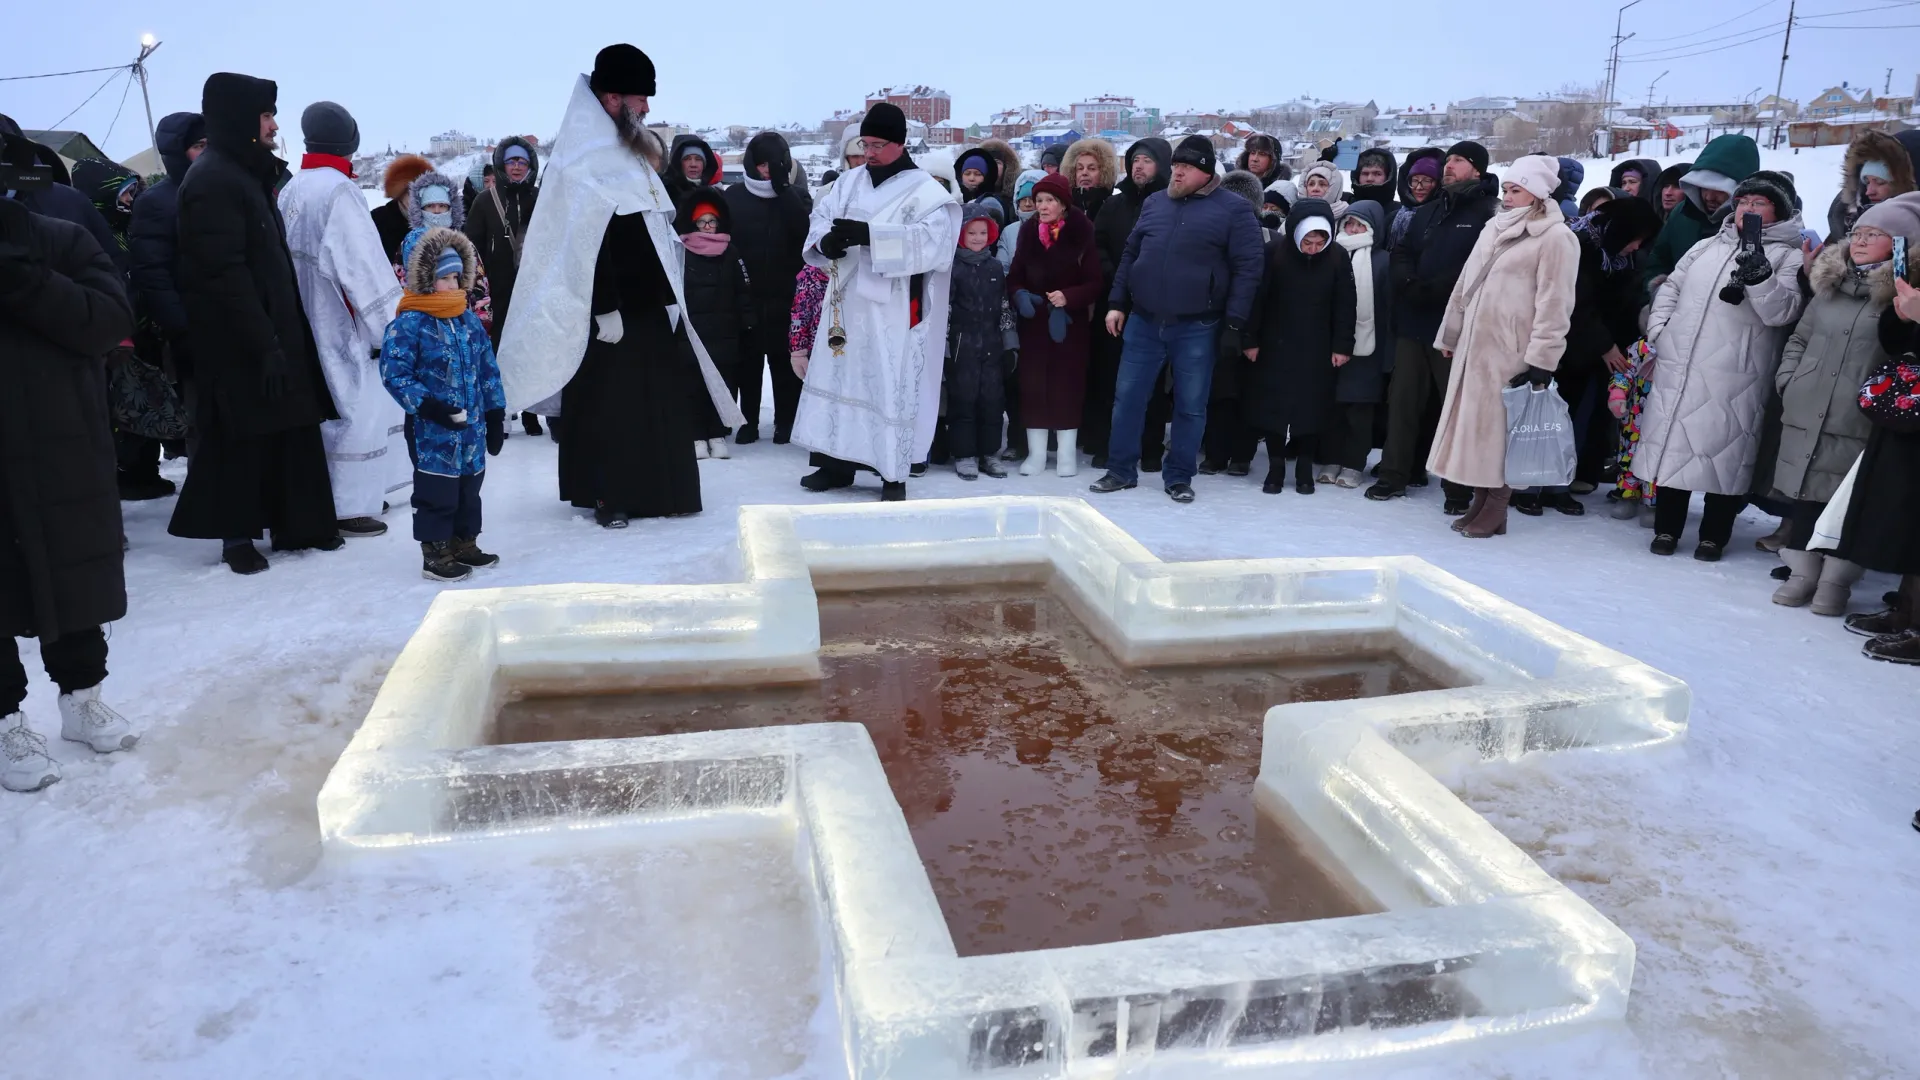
<point x="1744" y="271"/>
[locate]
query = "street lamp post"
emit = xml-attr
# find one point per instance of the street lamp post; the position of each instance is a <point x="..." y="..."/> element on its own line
<point x="148" y="43"/>
<point x="1613" y="69"/>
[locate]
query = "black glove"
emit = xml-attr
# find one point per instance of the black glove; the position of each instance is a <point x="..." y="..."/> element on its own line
<point x="1752" y="267"/>
<point x="1539" y="377"/>
<point x="853" y="233"/>
<point x="496" y="431"/>
<point x="440" y="413"/>
<point x="780" y="174"/>
<point x="832" y="246"/>
<point x="275" y="371"/>
<point x="1232" y="341"/>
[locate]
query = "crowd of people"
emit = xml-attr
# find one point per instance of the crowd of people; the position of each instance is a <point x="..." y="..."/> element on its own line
<point x="1153" y="311"/>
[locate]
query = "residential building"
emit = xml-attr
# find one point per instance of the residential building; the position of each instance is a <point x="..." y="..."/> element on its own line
<point x="1838" y="101"/>
<point x="1353" y="118"/>
<point x="1478" y="112"/>
<point x="834" y="128"/>
<point x="1287" y="116"/>
<point x="1014" y="123"/>
<point x="946" y="133"/>
<point x="922" y="103"/>
<point x="451" y="142"/>
<point x="1053" y="135"/>
<point x="1101" y="113"/>
<point x="1412" y="120"/>
<point x="1894" y="106"/>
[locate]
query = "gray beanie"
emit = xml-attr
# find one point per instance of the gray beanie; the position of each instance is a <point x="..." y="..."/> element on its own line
<point x="330" y="129"/>
<point x="1898" y="216"/>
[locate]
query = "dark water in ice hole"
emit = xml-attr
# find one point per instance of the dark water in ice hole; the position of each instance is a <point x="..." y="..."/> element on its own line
<point x="1056" y="798"/>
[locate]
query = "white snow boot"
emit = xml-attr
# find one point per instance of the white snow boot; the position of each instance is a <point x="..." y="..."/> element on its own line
<point x="1349" y="478"/>
<point x="84" y="718"/>
<point x="1836" y="586"/>
<point x="966" y="468"/>
<point x="24" y="763"/>
<point x="1798" y="589"/>
<point x="1068" y="458"/>
<point x="699" y="449"/>
<point x="717" y="449"/>
<point x="1036" y="452"/>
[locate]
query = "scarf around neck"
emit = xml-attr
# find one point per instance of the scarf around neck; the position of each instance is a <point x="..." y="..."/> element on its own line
<point x="1050" y="231"/>
<point x="760" y="188"/>
<point x="1359" y="248"/>
<point x="702" y="243"/>
<point x="440" y="305"/>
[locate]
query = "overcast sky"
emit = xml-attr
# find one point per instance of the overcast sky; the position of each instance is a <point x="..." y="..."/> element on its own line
<point x="491" y="68"/>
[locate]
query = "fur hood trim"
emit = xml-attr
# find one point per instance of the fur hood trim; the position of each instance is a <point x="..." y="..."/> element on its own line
<point x="1874" y="146"/>
<point x="1246" y="185"/>
<point x="1010" y="165"/>
<point x="426" y="253"/>
<point x="416" y="212"/>
<point x="1103" y="152"/>
<point x="500" y="160"/>
<point x="402" y="172"/>
<point x="1831" y="267"/>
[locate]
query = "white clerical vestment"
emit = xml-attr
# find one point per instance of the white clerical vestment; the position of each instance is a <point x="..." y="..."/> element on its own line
<point x="350" y="295"/>
<point x="875" y="399"/>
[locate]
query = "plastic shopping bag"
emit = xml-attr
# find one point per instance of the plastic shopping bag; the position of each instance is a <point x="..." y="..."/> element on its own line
<point x="1539" y="437"/>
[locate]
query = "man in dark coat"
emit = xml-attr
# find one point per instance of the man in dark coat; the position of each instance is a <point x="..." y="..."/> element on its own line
<point x="1149" y="166"/>
<point x="769" y="231"/>
<point x="1261" y="157"/>
<point x="1426" y="264"/>
<point x="1375" y="180"/>
<point x="1186" y="284"/>
<point x="497" y="224"/>
<point x="691" y="164"/>
<point x="62" y="308"/>
<point x="260" y="396"/>
<point x="153" y="237"/>
<point x="58" y="199"/>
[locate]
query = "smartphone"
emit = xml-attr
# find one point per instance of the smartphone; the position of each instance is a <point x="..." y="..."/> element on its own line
<point x="1750" y="230"/>
<point x="1900" y="257"/>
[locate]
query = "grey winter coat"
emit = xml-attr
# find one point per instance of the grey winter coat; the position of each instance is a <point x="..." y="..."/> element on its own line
<point x="1829" y="355"/>
<point x="1714" y="362"/>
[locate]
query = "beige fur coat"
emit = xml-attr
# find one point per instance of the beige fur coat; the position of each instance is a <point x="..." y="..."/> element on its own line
<point x="1509" y="311"/>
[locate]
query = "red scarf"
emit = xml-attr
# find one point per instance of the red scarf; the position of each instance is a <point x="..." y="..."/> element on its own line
<point x="1051" y="232"/>
<point x="328" y="161"/>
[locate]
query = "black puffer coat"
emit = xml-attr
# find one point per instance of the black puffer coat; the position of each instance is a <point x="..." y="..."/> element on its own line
<point x="1883" y="516"/>
<point x="153" y="239"/>
<point x="769" y="233"/>
<point x="1119" y="214"/>
<point x="677" y="183"/>
<point x="61" y="310"/>
<point x="719" y="290"/>
<point x="1304" y="314"/>
<point x="59" y="200"/>
<point x="236" y="275"/>
<point x="1428" y="259"/>
<point x="495" y="235"/>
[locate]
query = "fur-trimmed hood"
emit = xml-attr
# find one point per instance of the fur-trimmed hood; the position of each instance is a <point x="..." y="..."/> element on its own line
<point x="1874" y="146"/>
<point x="426" y="253"/>
<point x="1009" y="164"/>
<point x="1103" y="152"/>
<point x="1260" y="142"/>
<point x="500" y="160"/>
<point x="1832" y="267"/>
<point x="992" y="181"/>
<point x="416" y="213"/>
<point x="402" y="172"/>
<point x="1245" y="184"/>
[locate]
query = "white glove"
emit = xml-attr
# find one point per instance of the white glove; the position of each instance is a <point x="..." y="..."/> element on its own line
<point x="607" y="327"/>
<point x="460" y="416"/>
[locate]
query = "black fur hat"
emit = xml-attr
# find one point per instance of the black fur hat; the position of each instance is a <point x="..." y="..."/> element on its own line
<point x="622" y="69"/>
<point x="1777" y="187"/>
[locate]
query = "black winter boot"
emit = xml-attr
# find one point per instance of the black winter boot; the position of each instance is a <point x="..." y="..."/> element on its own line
<point x="893" y="491"/>
<point x="531" y="423"/>
<point x="466" y="551"/>
<point x="1303" y="474"/>
<point x="437" y="562"/>
<point x="243" y="558"/>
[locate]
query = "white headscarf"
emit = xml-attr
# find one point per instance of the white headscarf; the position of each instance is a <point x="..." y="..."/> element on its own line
<point x="1359" y="247"/>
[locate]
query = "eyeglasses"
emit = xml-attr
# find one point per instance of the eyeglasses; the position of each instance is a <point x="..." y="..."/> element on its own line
<point x="874" y="146"/>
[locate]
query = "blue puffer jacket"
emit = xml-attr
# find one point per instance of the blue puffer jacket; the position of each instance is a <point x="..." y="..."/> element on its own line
<point x="449" y="359"/>
<point x="1200" y="256"/>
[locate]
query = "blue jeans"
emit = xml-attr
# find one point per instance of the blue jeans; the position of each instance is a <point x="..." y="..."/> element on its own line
<point x="1147" y="345"/>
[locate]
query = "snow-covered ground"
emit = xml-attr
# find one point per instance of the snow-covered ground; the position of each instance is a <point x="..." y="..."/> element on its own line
<point x="169" y="915"/>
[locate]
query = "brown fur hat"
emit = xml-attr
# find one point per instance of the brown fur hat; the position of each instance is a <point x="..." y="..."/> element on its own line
<point x="403" y="171"/>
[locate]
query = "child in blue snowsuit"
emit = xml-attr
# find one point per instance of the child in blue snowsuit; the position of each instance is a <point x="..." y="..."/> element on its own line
<point x="438" y="363"/>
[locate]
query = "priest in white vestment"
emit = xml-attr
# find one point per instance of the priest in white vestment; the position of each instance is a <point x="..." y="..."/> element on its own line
<point x="885" y="233"/>
<point x="350" y="293"/>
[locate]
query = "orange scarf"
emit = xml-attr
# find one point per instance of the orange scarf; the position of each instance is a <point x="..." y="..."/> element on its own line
<point x="440" y="305"/>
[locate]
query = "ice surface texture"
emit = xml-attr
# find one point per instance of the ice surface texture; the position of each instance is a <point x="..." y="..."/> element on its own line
<point x="1471" y="938"/>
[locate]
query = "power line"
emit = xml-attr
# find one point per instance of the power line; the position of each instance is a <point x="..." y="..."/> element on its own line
<point x="1715" y="26"/>
<point x="96" y="93"/>
<point x="1877" y="26"/>
<point x="1670" y="54"/>
<point x="116" y="112"/>
<point x="57" y="74"/>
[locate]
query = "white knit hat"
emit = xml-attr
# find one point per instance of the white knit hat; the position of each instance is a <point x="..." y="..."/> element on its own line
<point x="1314" y="224"/>
<point x="1539" y="174"/>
